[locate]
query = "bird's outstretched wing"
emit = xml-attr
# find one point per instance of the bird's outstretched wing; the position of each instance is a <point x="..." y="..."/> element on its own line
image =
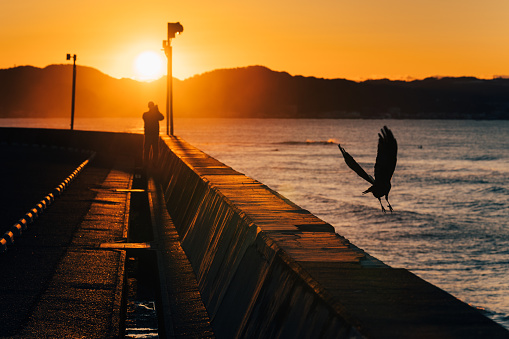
<point x="355" y="166"/>
<point x="386" y="156"/>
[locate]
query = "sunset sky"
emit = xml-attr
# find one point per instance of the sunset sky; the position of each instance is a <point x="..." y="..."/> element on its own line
<point x="358" y="40"/>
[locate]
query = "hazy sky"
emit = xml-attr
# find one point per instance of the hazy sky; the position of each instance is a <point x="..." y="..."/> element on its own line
<point x="323" y="38"/>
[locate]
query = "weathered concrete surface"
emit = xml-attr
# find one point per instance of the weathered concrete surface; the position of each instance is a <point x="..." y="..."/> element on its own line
<point x="182" y="305"/>
<point x="64" y="277"/>
<point x="55" y="280"/>
<point x="84" y="296"/>
<point x="267" y="268"/>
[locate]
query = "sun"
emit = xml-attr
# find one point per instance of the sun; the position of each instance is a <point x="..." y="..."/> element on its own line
<point x="148" y="65"/>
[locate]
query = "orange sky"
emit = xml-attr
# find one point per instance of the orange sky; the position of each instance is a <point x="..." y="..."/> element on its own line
<point x="356" y="40"/>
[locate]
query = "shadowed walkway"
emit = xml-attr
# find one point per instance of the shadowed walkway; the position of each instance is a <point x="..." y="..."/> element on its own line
<point x="64" y="277"/>
<point x="54" y="281"/>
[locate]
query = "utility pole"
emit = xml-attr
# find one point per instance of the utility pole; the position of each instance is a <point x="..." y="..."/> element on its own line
<point x="174" y="28"/>
<point x="73" y="87"/>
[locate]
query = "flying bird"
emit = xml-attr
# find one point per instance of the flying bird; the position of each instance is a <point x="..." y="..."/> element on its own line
<point x="385" y="165"/>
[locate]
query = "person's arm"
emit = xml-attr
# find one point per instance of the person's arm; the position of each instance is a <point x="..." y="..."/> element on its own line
<point x="160" y="116"/>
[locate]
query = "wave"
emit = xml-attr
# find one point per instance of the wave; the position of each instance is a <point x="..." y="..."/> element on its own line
<point x="310" y="142"/>
<point x="500" y="317"/>
<point x="482" y="158"/>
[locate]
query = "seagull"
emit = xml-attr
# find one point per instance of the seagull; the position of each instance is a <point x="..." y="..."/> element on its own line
<point x="385" y="164"/>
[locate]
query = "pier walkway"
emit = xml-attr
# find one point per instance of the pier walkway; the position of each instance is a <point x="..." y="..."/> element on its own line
<point x="54" y="279"/>
<point x="65" y="276"/>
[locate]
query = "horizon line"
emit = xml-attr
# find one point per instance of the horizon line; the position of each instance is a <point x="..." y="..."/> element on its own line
<point x="401" y="78"/>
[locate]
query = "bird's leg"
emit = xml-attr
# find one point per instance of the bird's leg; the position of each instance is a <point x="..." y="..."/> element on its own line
<point x="388" y="203"/>
<point x="383" y="209"/>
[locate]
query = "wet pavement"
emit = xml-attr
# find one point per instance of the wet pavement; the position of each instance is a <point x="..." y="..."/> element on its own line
<point x="65" y="276"/>
<point x="55" y="281"/>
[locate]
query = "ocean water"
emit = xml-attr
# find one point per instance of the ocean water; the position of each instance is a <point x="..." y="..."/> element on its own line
<point x="450" y="189"/>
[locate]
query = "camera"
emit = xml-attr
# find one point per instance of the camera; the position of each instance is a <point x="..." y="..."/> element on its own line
<point x="174" y="28"/>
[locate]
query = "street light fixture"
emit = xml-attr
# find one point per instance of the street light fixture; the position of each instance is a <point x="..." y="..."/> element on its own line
<point x="73" y="87"/>
<point x="174" y="28"/>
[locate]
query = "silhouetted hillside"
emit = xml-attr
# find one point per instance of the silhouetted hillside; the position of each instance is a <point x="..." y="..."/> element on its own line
<point x="259" y="92"/>
<point x="34" y="92"/>
<point x="250" y="92"/>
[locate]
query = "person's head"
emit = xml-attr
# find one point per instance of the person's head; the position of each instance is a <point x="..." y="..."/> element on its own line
<point x="150" y="105"/>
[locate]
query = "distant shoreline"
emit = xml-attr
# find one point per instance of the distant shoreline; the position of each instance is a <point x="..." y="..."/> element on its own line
<point x="251" y="92"/>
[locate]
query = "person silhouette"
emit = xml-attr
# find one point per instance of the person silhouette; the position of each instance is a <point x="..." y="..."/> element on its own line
<point x="151" y="124"/>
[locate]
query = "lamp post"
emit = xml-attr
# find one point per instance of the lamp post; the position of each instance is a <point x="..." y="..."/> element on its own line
<point x="174" y="28"/>
<point x="73" y="87"/>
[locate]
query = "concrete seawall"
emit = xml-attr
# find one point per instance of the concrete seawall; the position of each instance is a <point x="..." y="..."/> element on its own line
<point x="267" y="268"/>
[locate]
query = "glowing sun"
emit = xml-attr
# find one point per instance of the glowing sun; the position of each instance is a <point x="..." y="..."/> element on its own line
<point x="148" y="65"/>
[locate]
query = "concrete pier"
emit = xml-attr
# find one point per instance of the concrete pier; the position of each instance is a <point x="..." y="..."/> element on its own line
<point x="55" y="281"/>
<point x="235" y="259"/>
<point x="267" y="268"/>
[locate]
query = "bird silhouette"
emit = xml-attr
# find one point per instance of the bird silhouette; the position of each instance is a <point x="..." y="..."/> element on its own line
<point x="385" y="165"/>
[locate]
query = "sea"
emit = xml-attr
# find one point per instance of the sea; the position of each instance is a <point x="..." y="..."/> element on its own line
<point x="450" y="190"/>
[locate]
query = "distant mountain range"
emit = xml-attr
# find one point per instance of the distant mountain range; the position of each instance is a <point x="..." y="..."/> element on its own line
<point x="250" y="92"/>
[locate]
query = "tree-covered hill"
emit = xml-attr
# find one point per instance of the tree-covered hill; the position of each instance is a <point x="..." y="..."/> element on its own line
<point x="250" y="92"/>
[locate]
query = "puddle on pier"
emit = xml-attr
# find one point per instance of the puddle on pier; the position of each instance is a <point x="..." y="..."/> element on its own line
<point x="141" y="318"/>
<point x="141" y="268"/>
